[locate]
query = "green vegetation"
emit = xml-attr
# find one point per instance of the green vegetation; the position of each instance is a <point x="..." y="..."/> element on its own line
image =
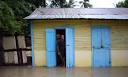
<point x="85" y="4"/>
<point x="12" y="12"/>
<point x="122" y="4"/>
<point x="62" y="4"/>
<point x="70" y="4"/>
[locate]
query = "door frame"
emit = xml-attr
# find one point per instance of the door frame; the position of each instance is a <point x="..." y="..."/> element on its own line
<point x="65" y="27"/>
<point x="110" y="59"/>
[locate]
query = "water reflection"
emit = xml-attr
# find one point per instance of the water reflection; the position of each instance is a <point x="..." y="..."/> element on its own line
<point x="63" y="72"/>
<point x="101" y="72"/>
<point x="88" y="72"/>
<point x="69" y="72"/>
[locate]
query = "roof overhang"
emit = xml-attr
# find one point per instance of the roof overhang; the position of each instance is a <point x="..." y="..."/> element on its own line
<point x="71" y="13"/>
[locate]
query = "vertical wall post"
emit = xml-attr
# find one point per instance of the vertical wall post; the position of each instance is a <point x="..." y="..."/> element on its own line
<point x="32" y="42"/>
<point x="19" y="52"/>
<point x="2" y="61"/>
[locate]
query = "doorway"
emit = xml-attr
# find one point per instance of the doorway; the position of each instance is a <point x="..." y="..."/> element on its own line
<point x="60" y="48"/>
<point x="69" y="49"/>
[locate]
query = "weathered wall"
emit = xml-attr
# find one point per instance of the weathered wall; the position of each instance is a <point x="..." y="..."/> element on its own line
<point x="9" y="43"/>
<point x="39" y="44"/>
<point x="119" y="40"/>
<point x="120" y="44"/>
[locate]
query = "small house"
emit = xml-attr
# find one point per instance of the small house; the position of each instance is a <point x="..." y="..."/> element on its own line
<point x="93" y="37"/>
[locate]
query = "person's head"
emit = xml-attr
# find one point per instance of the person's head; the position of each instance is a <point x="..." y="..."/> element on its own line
<point x="58" y="36"/>
<point x="62" y="36"/>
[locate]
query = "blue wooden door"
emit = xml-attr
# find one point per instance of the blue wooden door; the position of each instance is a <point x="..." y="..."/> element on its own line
<point x="50" y="47"/>
<point x="101" y="46"/>
<point x="69" y="47"/>
<point x="106" y="45"/>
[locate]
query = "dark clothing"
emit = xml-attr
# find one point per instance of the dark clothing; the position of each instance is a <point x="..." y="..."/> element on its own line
<point x="61" y="50"/>
<point x="61" y="46"/>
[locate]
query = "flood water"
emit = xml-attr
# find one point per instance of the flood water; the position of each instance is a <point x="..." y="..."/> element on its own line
<point x="15" y="71"/>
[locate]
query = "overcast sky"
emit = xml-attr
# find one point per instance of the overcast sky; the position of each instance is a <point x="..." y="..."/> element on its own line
<point x="103" y="3"/>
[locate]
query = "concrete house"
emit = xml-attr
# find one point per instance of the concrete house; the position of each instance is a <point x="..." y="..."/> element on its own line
<point x="94" y="37"/>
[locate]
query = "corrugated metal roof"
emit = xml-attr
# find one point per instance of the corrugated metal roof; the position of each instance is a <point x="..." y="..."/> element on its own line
<point x="78" y="13"/>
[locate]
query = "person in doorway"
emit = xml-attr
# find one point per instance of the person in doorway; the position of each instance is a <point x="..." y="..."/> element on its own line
<point x="63" y="49"/>
<point x="60" y="50"/>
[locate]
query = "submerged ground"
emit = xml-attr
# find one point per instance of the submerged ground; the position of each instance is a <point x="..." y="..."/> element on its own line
<point x="16" y="71"/>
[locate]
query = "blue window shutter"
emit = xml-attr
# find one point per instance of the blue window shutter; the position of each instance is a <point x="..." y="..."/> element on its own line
<point x="106" y="45"/>
<point x="105" y="37"/>
<point x="96" y="37"/>
<point x="101" y="46"/>
<point x="96" y="45"/>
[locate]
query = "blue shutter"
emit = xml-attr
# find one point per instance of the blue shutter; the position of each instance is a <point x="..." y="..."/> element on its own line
<point x="69" y="47"/>
<point x="96" y="37"/>
<point x="106" y="37"/>
<point x="96" y="44"/>
<point x="51" y="47"/>
<point x="106" y="46"/>
<point x="101" y="46"/>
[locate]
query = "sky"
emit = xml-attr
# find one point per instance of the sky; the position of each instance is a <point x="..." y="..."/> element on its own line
<point x="102" y="3"/>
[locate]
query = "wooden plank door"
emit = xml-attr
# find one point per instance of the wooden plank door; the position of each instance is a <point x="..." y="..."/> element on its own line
<point x="106" y="46"/>
<point x="101" y="46"/>
<point x="96" y="45"/>
<point x="69" y="47"/>
<point x="50" y="47"/>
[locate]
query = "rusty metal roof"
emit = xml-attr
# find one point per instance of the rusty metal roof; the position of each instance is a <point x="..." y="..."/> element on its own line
<point x="79" y="13"/>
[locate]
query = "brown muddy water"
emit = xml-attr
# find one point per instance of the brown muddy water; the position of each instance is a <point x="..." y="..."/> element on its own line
<point x="15" y="71"/>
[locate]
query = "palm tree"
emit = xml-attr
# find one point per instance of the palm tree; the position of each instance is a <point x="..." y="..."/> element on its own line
<point x="85" y="4"/>
<point x="62" y="4"/>
<point x="122" y="4"/>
